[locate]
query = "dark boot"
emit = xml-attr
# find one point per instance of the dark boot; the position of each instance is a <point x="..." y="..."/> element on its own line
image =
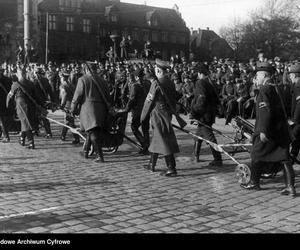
<point x="100" y="158"/>
<point x="22" y="139"/>
<point x="171" y="165"/>
<point x="63" y="133"/>
<point x="76" y="139"/>
<point x="152" y="163"/>
<point x="30" y="140"/>
<point x="197" y="148"/>
<point x="289" y="174"/>
<point x="138" y="135"/>
<point x="87" y="147"/>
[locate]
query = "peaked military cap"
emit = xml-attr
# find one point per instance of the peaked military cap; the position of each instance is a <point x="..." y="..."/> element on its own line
<point x="295" y="68"/>
<point x="264" y="66"/>
<point x="162" y="64"/>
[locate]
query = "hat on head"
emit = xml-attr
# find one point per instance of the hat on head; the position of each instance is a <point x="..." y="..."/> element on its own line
<point x="277" y="59"/>
<point x="139" y="73"/>
<point x="202" y="69"/>
<point x="295" y="68"/>
<point x="162" y="64"/>
<point x="264" y="66"/>
<point x="38" y="70"/>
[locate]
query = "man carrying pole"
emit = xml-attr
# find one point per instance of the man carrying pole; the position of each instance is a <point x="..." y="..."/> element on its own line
<point x="92" y="94"/>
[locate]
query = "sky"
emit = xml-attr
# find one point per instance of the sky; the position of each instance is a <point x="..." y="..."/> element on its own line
<point x="207" y="13"/>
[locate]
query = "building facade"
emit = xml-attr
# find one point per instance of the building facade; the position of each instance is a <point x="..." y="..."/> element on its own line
<point x="81" y="29"/>
<point x="206" y="44"/>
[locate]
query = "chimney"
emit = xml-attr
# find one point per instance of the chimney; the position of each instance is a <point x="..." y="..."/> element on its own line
<point x="207" y="28"/>
<point x="199" y="30"/>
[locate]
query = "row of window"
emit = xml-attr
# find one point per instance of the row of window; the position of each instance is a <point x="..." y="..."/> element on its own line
<point x="136" y="34"/>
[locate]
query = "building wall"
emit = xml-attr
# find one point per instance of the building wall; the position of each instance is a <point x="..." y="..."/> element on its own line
<point x="170" y="36"/>
<point x="206" y="44"/>
<point x="77" y="44"/>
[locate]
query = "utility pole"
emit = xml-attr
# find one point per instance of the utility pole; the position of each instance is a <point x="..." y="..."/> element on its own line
<point x="27" y="17"/>
<point x="47" y="37"/>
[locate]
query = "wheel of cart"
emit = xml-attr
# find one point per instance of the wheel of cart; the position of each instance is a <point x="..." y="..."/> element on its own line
<point x="114" y="136"/>
<point x="244" y="131"/>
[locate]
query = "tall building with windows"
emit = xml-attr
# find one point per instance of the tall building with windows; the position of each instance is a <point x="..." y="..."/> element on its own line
<point x="81" y="29"/>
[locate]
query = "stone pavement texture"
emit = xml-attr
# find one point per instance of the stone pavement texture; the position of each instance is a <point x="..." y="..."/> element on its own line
<point x="53" y="189"/>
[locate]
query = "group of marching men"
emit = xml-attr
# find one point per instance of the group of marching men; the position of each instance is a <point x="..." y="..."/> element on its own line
<point x="155" y="92"/>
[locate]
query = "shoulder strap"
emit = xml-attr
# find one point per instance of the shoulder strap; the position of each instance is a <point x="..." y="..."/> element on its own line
<point x="30" y="97"/>
<point x="4" y="89"/>
<point x="42" y="87"/>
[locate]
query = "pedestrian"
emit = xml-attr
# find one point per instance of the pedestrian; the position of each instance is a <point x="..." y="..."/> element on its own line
<point x="22" y="90"/>
<point x="92" y="95"/>
<point x="138" y="90"/>
<point x="271" y="138"/>
<point x="5" y="85"/>
<point x="294" y="74"/>
<point x="44" y="96"/>
<point x="159" y="104"/>
<point x="124" y="48"/>
<point x="204" y="109"/>
<point x="67" y="90"/>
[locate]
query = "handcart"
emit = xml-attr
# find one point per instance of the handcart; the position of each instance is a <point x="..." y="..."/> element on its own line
<point x="240" y="143"/>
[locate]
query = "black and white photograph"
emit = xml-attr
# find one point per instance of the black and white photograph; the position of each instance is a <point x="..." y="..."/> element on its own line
<point x="148" y="117"/>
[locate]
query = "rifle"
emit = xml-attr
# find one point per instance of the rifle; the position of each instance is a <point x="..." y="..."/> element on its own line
<point x="182" y="123"/>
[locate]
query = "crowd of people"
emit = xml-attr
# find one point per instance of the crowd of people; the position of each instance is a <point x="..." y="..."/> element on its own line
<point x="203" y="91"/>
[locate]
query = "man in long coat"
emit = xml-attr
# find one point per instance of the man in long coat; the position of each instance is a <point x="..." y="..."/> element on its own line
<point x="271" y="138"/>
<point x="204" y="108"/>
<point x="94" y="106"/>
<point x="160" y="97"/>
<point x="138" y="90"/>
<point x="21" y="91"/>
<point x="294" y="73"/>
<point x="44" y="95"/>
<point x="5" y="85"/>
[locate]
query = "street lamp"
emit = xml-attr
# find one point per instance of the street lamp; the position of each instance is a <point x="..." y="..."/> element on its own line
<point x="114" y="39"/>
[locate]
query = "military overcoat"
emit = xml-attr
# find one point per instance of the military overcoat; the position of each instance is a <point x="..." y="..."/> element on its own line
<point x="25" y="108"/>
<point x="93" y="111"/>
<point x="163" y="139"/>
<point x="4" y="89"/>
<point x="205" y="103"/>
<point x="270" y="120"/>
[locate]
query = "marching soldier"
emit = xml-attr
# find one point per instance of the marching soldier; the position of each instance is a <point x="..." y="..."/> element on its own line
<point x="159" y="104"/>
<point x="44" y="94"/>
<point x="271" y="138"/>
<point x="92" y="94"/>
<point x="53" y="79"/>
<point x="67" y="90"/>
<point x="5" y="85"/>
<point x="23" y="93"/>
<point x="204" y="108"/>
<point x="294" y="74"/>
<point x="138" y="91"/>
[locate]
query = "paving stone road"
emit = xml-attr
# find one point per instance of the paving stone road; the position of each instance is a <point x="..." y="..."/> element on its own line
<point x="53" y="189"/>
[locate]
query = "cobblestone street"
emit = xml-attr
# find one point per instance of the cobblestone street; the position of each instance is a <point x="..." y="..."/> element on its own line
<point x="53" y="189"/>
